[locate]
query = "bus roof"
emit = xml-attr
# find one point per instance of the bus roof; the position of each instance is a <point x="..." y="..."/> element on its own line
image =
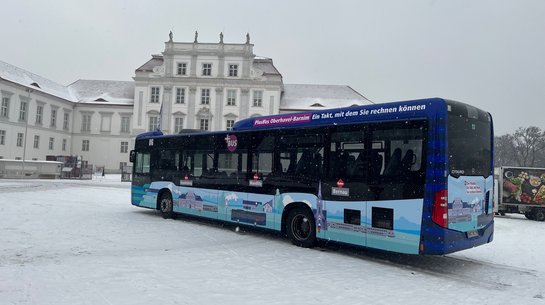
<point x="376" y="112"/>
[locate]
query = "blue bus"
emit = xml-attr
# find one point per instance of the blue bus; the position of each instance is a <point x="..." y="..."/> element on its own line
<point x="411" y="177"/>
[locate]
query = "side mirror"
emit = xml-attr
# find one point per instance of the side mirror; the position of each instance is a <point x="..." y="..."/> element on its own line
<point x="132" y="156"/>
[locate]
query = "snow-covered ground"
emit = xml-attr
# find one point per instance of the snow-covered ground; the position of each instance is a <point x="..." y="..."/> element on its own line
<point x="81" y="242"/>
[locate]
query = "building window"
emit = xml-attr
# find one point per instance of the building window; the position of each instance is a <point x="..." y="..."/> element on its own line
<point x="65" y="121"/>
<point x="258" y="99"/>
<point x="36" y="141"/>
<point x="180" y="95"/>
<point x="85" y="145"/>
<point x="19" y="139"/>
<point x="4" y="111"/>
<point x="125" y="124"/>
<point x="182" y="68"/>
<point x="204" y="124"/>
<point x="206" y="69"/>
<point x="230" y="124"/>
<point x="39" y="114"/>
<point x="2" y="137"/>
<point x="22" y="111"/>
<point x="205" y="96"/>
<point x="233" y="70"/>
<point x="51" y="143"/>
<point x="153" y="123"/>
<point x="106" y="122"/>
<point x="231" y="97"/>
<point x="178" y="125"/>
<point x="63" y="144"/>
<point x="154" y="95"/>
<point x="124" y="147"/>
<point x="53" y="118"/>
<point x="86" y="122"/>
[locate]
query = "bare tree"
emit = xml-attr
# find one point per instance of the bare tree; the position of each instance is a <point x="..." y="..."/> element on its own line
<point x="504" y="151"/>
<point x="529" y="144"/>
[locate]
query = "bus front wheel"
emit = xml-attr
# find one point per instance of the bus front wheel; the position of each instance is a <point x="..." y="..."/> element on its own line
<point x="301" y="228"/>
<point x="165" y="205"/>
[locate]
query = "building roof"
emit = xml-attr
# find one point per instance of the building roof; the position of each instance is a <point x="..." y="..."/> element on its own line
<point x="266" y="65"/>
<point x="263" y="64"/>
<point x="103" y="92"/>
<point x="156" y="60"/>
<point x="315" y="97"/>
<point x="81" y="91"/>
<point x="33" y="81"/>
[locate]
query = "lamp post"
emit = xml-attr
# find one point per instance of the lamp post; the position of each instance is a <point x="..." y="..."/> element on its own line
<point x="26" y="129"/>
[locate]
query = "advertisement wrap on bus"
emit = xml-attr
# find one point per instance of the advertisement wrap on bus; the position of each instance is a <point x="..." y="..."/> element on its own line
<point x="410" y="177"/>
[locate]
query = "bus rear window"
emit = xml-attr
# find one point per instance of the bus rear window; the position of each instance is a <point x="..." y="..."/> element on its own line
<point x="469" y="141"/>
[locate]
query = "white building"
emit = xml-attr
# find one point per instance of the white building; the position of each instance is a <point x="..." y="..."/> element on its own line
<point x="192" y="85"/>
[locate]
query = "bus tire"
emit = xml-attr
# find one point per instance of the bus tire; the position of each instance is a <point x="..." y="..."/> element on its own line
<point x="539" y="214"/>
<point x="529" y="215"/>
<point x="301" y="227"/>
<point x="165" y="205"/>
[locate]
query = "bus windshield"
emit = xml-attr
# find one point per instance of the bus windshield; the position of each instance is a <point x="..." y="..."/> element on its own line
<point x="469" y="141"/>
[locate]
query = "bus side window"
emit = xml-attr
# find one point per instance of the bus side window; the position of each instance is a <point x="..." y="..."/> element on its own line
<point x="402" y="147"/>
<point x="262" y="154"/>
<point x="142" y="165"/>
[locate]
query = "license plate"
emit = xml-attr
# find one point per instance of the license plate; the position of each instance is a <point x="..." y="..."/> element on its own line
<point x="471" y="234"/>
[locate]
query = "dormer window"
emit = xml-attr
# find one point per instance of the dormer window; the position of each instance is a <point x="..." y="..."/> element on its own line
<point x="100" y="100"/>
<point x="317" y="105"/>
<point x="36" y="85"/>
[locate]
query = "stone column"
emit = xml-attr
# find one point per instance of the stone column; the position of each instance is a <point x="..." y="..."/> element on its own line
<point x="191" y="104"/>
<point x="166" y="105"/>
<point x="193" y="69"/>
<point x="244" y="103"/>
<point x="219" y="109"/>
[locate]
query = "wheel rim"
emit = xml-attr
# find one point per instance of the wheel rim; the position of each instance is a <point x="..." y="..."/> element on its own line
<point x="165" y="205"/>
<point x="300" y="226"/>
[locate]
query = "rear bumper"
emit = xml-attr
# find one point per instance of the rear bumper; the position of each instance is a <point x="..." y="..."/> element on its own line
<point x="437" y="240"/>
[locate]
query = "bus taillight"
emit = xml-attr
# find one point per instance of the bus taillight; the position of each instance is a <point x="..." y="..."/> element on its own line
<point x="440" y="209"/>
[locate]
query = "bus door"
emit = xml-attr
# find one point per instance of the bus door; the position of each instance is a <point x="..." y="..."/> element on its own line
<point x="344" y="189"/>
<point x="232" y="176"/>
<point x="259" y="205"/>
<point x="141" y="179"/>
<point x="395" y="179"/>
<point x="197" y="191"/>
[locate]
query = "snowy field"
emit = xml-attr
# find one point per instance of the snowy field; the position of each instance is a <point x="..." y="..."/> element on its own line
<point x="81" y="242"/>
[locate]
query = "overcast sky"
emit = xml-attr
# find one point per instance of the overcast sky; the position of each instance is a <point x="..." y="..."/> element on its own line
<point x="490" y="54"/>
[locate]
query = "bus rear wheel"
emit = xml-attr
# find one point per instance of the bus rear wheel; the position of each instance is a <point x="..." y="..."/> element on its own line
<point x="301" y="228"/>
<point x="165" y="205"/>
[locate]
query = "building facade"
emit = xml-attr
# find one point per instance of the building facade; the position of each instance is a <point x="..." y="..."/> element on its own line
<point x="191" y="85"/>
<point x="206" y="86"/>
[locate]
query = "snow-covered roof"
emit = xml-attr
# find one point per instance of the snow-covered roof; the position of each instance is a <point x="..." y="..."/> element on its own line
<point x="103" y="92"/>
<point x="266" y="65"/>
<point x="156" y="60"/>
<point x="314" y="97"/>
<point x="35" y="82"/>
